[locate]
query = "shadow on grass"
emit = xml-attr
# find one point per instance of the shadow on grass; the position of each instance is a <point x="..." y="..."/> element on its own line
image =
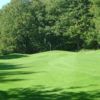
<point x="12" y="56"/>
<point x="7" y="70"/>
<point x="4" y="66"/>
<point x="16" y="73"/>
<point x="44" y="94"/>
<point x="4" y="80"/>
<point x="79" y="87"/>
<point x="3" y="75"/>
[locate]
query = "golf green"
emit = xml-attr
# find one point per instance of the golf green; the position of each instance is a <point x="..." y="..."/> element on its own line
<point x="53" y="75"/>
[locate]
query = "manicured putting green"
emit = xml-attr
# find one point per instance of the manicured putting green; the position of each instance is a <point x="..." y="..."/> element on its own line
<point x="58" y="72"/>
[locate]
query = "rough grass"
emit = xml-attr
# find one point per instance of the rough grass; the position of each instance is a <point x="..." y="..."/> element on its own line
<point x="54" y="75"/>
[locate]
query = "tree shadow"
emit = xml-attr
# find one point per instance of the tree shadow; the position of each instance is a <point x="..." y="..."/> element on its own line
<point x="16" y="73"/>
<point x="12" y="56"/>
<point x="7" y="70"/>
<point x="79" y="87"/>
<point x="4" y="66"/>
<point x="47" y="94"/>
<point x="4" y="80"/>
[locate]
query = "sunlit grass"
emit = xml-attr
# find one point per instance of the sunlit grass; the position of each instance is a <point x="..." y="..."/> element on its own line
<point x="69" y="71"/>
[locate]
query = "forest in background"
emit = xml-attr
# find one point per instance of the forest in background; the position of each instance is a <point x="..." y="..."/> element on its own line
<point x="30" y="26"/>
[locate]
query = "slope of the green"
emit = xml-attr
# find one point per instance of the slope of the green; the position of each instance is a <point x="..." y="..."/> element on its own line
<point x="57" y="70"/>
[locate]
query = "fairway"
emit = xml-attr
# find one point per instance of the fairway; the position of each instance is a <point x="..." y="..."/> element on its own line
<point x="53" y="75"/>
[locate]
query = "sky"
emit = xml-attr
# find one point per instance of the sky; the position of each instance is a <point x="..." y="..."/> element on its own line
<point x="3" y="2"/>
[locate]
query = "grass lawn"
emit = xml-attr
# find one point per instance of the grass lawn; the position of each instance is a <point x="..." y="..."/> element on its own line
<point x="53" y="75"/>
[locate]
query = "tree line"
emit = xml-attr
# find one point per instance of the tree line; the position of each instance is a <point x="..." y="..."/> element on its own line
<point x="30" y="26"/>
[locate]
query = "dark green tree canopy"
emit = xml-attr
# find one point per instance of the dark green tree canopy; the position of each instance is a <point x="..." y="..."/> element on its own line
<point x="29" y="26"/>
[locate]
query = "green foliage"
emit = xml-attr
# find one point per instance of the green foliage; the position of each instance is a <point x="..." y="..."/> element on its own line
<point x="73" y="21"/>
<point x="30" y="26"/>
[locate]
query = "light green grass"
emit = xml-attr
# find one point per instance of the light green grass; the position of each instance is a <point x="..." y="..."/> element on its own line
<point x="69" y="71"/>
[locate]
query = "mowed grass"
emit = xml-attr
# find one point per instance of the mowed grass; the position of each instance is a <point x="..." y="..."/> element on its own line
<point x="53" y="75"/>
